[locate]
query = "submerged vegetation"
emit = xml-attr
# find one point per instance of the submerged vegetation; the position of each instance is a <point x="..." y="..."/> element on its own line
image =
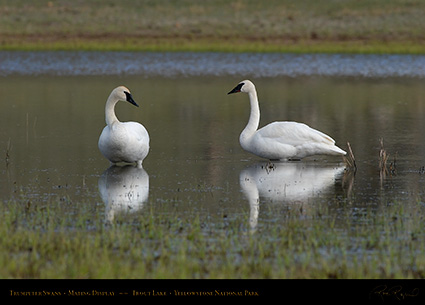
<point x="364" y="26"/>
<point x="63" y="239"/>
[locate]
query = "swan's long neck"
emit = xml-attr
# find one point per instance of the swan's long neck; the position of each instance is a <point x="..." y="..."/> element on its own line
<point x="110" y="116"/>
<point x="254" y="117"/>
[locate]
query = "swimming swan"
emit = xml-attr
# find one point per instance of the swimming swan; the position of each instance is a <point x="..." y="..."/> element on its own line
<point x="281" y="140"/>
<point x="122" y="142"/>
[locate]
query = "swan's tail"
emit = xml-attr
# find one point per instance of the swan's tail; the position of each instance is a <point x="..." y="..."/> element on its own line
<point x="335" y="150"/>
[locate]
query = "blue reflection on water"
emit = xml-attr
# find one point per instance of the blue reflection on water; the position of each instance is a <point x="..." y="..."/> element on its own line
<point x="173" y="64"/>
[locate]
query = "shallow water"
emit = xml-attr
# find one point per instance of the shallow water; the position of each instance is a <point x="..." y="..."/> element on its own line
<point x="177" y="64"/>
<point x="49" y="127"/>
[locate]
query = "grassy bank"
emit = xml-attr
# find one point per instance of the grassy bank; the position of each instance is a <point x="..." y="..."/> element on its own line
<point x="62" y="239"/>
<point x="372" y="26"/>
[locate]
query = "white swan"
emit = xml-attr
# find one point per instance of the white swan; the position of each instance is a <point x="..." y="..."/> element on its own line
<point x="281" y="140"/>
<point x="122" y="142"/>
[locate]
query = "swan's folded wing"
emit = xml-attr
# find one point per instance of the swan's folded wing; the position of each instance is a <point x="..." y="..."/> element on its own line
<point x="293" y="133"/>
<point x="138" y="131"/>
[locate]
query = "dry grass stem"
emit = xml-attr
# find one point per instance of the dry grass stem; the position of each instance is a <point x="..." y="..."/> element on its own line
<point x="8" y="149"/>
<point x="350" y="160"/>
<point x="383" y="159"/>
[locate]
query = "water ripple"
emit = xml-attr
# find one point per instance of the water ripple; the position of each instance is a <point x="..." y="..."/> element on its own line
<point x="174" y="64"/>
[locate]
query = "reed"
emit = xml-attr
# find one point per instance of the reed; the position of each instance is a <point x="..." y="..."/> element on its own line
<point x="385" y="169"/>
<point x="383" y="157"/>
<point x="350" y="160"/>
<point x="8" y="149"/>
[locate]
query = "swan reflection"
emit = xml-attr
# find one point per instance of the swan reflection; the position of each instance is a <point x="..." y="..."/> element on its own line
<point x="123" y="188"/>
<point x="288" y="182"/>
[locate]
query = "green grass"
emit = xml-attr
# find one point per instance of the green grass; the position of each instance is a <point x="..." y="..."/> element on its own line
<point x="62" y="239"/>
<point x="361" y="26"/>
<point x="171" y="45"/>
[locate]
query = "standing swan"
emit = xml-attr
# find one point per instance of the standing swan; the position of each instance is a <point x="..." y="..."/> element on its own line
<point x="122" y="142"/>
<point x="281" y="140"/>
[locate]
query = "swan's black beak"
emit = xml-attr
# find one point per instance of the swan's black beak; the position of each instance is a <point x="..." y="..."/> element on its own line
<point x="129" y="98"/>
<point x="236" y="89"/>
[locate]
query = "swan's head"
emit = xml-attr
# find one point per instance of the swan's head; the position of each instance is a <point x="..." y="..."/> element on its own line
<point x="244" y="86"/>
<point x="122" y="93"/>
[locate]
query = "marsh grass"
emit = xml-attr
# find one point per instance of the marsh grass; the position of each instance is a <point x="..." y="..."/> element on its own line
<point x="8" y="152"/>
<point x="63" y="239"/>
<point x="394" y="26"/>
<point x="384" y="168"/>
<point x="349" y="159"/>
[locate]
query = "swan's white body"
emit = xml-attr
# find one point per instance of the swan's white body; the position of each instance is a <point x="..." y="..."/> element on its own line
<point x="281" y="140"/>
<point x="122" y="141"/>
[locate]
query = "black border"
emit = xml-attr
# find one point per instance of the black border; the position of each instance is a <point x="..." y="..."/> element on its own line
<point x="290" y="291"/>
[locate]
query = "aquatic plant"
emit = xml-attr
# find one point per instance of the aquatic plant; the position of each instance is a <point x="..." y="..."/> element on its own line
<point x="384" y="170"/>
<point x="349" y="159"/>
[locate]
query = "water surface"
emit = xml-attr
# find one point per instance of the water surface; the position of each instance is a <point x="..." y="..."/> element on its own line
<point x="53" y="113"/>
<point x="177" y="64"/>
